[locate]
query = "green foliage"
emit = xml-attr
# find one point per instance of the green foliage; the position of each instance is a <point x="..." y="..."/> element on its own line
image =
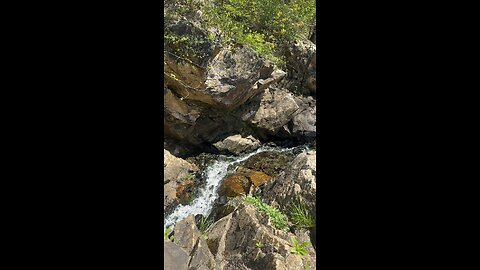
<point x="259" y="244"/>
<point x="279" y="220"/>
<point x="300" y="215"/>
<point x="299" y="248"/>
<point x="166" y="232"/>
<point x="204" y="224"/>
<point x="263" y="24"/>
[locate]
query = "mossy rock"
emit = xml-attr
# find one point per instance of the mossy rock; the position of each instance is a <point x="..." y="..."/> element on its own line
<point x="270" y="163"/>
<point x="234" y="185"/>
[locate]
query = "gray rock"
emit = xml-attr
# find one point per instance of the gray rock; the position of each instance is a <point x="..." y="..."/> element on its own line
<point x="236" y="144"/>
<point x="298" y="179"/>
<point x="191" y="240"/>
<point x="175" y="258"/>
<point x="233" y="239"/>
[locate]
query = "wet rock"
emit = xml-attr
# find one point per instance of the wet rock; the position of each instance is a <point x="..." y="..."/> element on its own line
<point x="255" y="177"/>
<point x="234" y="185"/>
<point x="175" y="258"/>
<point x="175" y="172"/>
<point x="270" y="163"/>
<point x="236" y="144"/>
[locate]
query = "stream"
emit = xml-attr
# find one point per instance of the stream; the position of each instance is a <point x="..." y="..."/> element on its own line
<point x="213" y="175"/>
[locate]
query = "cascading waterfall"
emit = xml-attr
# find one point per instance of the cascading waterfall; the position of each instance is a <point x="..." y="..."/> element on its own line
<point x="208" y="194"/>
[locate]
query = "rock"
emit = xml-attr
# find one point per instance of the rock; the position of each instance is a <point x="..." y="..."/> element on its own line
<point x="176" y="174"/>
<point x="187" y="52"/>
<point x="303" y="123"/>
<point x="270" y="111"/>
<point x="201" y="257"/>
<point x="301" y="64"/>
<point x="174" y="257"/>
<point x="188" y="237"/>
<point x="298" y="179"/>
<point x="256" y="178"/>
<point x="233" y="240"/>
<point x="270" y="163"/>
<point x="187" y="233"/>
<point x="234" y="185"/>
<point x="236" y="144"/>
<point x="237" y="74"/>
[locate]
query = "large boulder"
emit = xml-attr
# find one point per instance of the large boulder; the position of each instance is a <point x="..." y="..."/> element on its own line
<point x="270" y="111"/>
<point x="236" y="74"/>
<point x="236" y="144"/>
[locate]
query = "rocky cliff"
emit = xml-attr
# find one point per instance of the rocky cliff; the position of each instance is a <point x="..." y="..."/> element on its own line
<point x="222" y="96"/>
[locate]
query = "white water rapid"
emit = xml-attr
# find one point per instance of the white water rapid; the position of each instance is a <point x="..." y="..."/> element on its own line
<point x="208" y="193"/>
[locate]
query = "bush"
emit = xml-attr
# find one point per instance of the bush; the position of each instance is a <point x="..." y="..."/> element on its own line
<point x="263" y="24"/>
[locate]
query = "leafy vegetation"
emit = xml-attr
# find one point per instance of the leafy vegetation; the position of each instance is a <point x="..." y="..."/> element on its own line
<point x="300" y="215"/>
<point x="166" y="232"/>
<point x="279" y="220"/>
<point x="299" y="248"/>
<point x="263" y="24"/>
<point x="204" y="224"/>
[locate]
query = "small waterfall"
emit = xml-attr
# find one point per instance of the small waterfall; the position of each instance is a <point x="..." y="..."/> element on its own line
<point x="208" y="194"/>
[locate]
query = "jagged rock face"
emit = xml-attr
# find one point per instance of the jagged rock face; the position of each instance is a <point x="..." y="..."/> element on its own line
<point x="174" y="257"/>
<point x="186" y="55"/>
<point x="234" y="241"/>
<point x="190" y="239"/>
<point x="298" y="179"/>
<point x="302" y="66"/>
<point x="237" y="74"/>
<point x="177" y="177"/>
<point x="236" y="144"/>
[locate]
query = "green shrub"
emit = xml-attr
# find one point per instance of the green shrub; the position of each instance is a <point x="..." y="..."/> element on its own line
<point x="263" y="24"/>
<point x="300" y="215"/>
<point x="279" y="220"/>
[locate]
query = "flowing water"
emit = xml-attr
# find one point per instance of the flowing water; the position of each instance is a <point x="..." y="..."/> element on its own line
<point x="213" y="175"/>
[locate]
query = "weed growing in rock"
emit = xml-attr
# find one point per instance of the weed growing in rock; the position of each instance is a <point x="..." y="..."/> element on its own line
<point x="300" y="215"/>
<point x="204" y="224"/>
<point x="166" y="232"/>
<point x="259" y="244"/>
<point x="299" y="248"/>
<point x="279" y="220"/>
